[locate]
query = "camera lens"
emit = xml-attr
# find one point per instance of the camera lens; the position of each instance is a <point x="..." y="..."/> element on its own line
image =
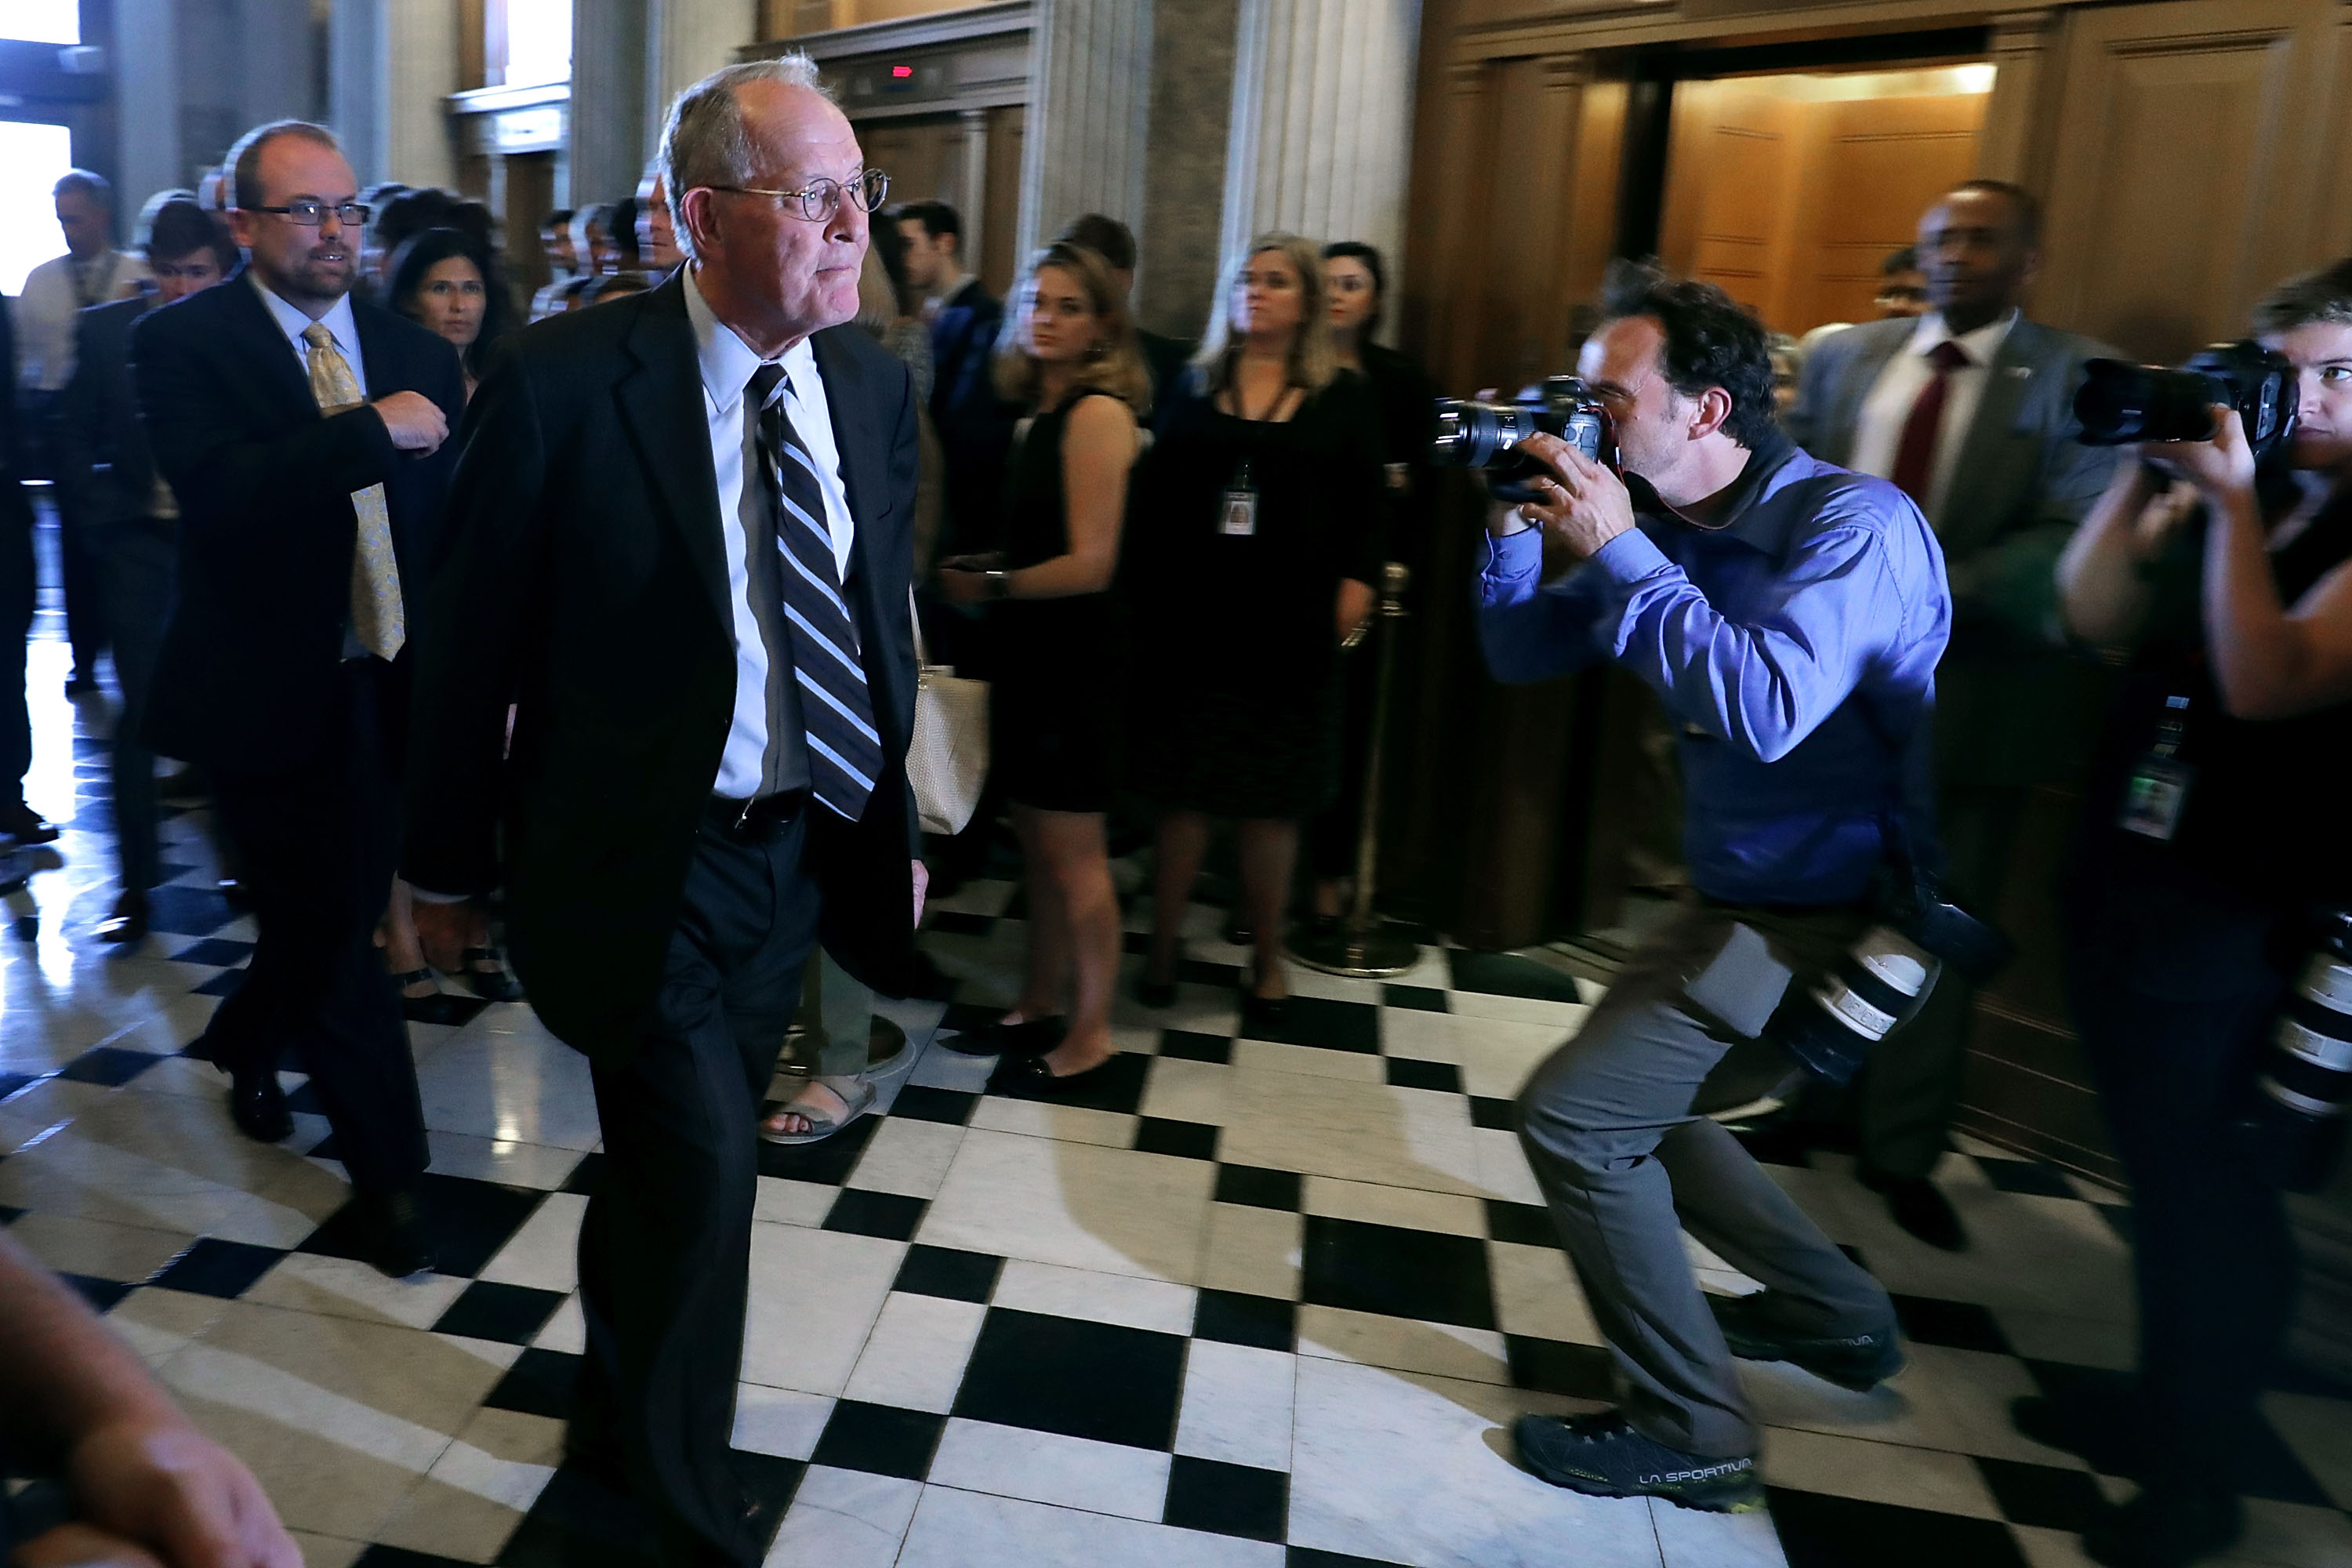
<point x="1470" y="434"/>
<point x="2120" y="403"/>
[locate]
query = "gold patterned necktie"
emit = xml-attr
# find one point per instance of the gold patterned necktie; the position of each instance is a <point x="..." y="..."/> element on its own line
<point x="377" y="619"/>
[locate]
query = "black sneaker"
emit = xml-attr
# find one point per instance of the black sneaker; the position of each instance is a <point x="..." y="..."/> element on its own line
<point x="1858" y="1361"/>
<point x="1602" y="1456"/>
<point x="2168" y="1527"/>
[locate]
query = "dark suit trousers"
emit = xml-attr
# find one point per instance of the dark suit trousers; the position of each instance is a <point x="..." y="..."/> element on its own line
<point x="319" y="845"/>
<point x="77" y="563"/>
<point x="136" y="563"/>
<point x="665" y="1247"/>
<point x="18" y="585"/>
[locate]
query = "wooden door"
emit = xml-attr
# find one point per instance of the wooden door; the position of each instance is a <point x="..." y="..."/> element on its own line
<point x="1732" y="165"/>
<point x="1879" y="163"/>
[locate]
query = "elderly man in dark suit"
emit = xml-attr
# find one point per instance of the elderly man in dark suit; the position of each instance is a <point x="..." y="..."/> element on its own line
<point x="133" y="522"/>
<point x="301" y="433"/>
<point x="680" y="544"/>
<point x="1969" y="408"/>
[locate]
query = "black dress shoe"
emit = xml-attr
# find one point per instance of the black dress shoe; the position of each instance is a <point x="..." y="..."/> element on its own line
<point x="1028" y="1078"/>
<point x="2167" y="1527"/>
<point x="1856" y="1362"/>
<point x="128" y="923"/>
<point x="26" y="826"/>
<point x="398" y="1243"/>
<point x="233" y="891"/>
<point x="257" y="1106"/>
<point x="1156" y="995"/>
<point x="1919" y="1207"/>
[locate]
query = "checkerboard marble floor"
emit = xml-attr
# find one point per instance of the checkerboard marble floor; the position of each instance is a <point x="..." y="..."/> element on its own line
<point x="1264" y="1300"/>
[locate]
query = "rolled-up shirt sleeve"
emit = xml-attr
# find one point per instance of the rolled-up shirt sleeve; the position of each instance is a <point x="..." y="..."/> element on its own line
<point x="1761" y="683"/>
<point x="1529" y="631"/>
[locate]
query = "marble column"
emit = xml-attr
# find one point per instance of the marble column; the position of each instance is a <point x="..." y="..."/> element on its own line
<point x="971" y="186"/>
<point x="1321" y="137"/>
<point x="606" y="145"/>
<point x="1184" y="175"/>
<point x="1089" y="111"/>
<point x="391" y="64"/>
<point x="686" y="40"/>
<point x="147" y="95"/>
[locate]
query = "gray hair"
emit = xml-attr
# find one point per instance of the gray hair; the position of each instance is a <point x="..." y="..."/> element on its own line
<point x="703" y="142"/>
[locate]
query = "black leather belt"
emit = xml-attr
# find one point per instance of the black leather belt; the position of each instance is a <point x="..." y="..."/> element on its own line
<point x="737" y="815"/>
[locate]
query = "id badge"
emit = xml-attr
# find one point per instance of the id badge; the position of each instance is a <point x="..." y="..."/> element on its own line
<point x="1238" y="518"/>
<point x="2155" y="798"/>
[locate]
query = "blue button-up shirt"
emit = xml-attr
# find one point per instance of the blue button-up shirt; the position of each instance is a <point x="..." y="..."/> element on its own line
<point x="1796" y="645"/>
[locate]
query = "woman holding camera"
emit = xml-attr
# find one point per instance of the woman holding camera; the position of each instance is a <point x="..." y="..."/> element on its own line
<point x="1255" y="544"/>
<point x="2214" y="830"/>
<point x="1069" y="355"/>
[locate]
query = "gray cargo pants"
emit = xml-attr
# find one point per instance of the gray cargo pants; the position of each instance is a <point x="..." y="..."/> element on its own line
<point x="1625" y="1167"/>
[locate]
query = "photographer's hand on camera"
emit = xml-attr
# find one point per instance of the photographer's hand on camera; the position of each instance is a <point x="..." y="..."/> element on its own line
<point x="1584" y="506"/>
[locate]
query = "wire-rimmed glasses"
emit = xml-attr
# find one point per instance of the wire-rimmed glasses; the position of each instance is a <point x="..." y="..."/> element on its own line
<point x="817" y="203"/>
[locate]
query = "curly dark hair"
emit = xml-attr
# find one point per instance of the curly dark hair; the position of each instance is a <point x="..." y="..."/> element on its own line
<point x="1711" y="340"/>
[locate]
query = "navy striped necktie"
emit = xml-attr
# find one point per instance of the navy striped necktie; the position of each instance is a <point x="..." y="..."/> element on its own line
<point x="844" y="750"/>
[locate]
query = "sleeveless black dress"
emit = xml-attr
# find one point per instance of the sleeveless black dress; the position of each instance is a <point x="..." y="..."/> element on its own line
<point x="1054" y="706"/>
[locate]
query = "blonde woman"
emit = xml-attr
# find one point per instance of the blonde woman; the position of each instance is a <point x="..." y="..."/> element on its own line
<point x="1255" y="542"/>
<point x="1068" y="355"/>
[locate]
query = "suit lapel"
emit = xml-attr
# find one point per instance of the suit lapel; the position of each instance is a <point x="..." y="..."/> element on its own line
<point x="1869" y="363"/>
<point x="280" y="372"/>
<point x="1980" y="467"/>
<point x="662" y="405"/>
<point x="847" y="397"/>
<point x="377" y="356"/>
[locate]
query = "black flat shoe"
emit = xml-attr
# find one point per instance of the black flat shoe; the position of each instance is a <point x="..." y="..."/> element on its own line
<point x="1029" y="1037"/>
<point x="1028" y="1078"/>
<point x="26" y="826"/>
<point x="1264" y="1012"/>
<point x="127" y="924"/>
<point x="257" y="1106"/>
<point x="1156" y="995"/>
<point x="398" y="1244"/>
<point x="1236" y="934"/>
<point x="484" y="971"/>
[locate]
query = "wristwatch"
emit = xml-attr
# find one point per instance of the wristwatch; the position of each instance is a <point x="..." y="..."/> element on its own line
<point x="1000" y="584"/>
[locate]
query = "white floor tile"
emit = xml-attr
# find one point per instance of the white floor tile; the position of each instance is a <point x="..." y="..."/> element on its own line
<point x="845" y="1519"/>
<point x="1237" y="1405"/>
<point x="907" y="1156"/>
<point x="520" y="1085"/>
<point x="1255" y="1251"/>
<point x="1360" y="1131"/>
<point x="1049" y="1468"/>
<point x="1876" y="1472"/>
<point x="779" y="1421"/>
<point x="1114" y="1210"/>
<point x="915" y="1356"/>
<point x="2295" y="1534"/>
<point x="1095" y="1297"/>
<point x="1448" y="1213"/>
<point x="1443" y="1349"/>
<point x="1690" y="1539"/>
<point x="1064" y="1123"/>
<point x="956" y="1529"/>
<point x="1536" y="1293"/>
<point x="545" y="1253"/>
<point x="531" y="1166"/>
<point x="814" y="1295"/>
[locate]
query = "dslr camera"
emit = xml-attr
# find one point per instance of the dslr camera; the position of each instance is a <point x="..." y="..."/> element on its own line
<point x="2120" y="402"/>
<point x="1472" y="434"/>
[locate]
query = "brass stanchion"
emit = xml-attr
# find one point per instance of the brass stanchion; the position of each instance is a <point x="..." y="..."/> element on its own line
<point x="1364" y="946"/>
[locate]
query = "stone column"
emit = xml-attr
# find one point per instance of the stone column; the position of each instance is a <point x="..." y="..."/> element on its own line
<point x="1184" y="176"/>
<point x="391" y="64"/>
<point x="1089" y="110"/>
<point x="1322" y="123"/>
<point x="606" y="149"/>
<point x="972" y="187"/>
<point x="147" y="95"/>
<point x="686" y="40"/>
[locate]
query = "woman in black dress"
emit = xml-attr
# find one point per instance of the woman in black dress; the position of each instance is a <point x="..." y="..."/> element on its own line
<point x="1254" y="545"/>
<point x="1069" y="355"/>
<point x="1407" y="399"/>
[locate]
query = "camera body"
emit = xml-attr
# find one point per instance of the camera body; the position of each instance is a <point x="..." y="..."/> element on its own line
<point x="2120" y="402"/>
<point x="1472" y="434"/>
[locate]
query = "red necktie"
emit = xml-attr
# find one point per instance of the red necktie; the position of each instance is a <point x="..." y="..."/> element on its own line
<point x="1915" y="458"/>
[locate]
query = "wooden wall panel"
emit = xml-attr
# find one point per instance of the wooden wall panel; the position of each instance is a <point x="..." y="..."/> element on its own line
<point x="1881" y="162"/>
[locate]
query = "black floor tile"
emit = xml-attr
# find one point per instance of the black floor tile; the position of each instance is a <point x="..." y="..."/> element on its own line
<point x="1321" y="1021"/>
<point x="219" y="952"/>
<point x="1402" y="1273"/>
<point x="1307" y="1557"/>
<point x="1259" y="1188"/>
<point x="1404" y="1072"/>
<point x="101" y="1294"/>
<point x="1233" y="1318"/>
<point x="225" y="983"/>
<point x="1098" y="1381"/>
<point x="581" y="1519"/>
<point x="828" y="1162"/>
<point x="585" y="1175"/>
<point x="956" y="922"/>
<point x="443" y="1009"/>
<point x="2029" y="1177"/>
<point x="1818" y="1531"/>
<point x="1200" y="972"/>
<point x="1529" y="1224"/>
<point x="187" y="912"/>
<point x="10" y="1082"/>
<point x="1186" y="1045"/>
<point x="879" y="1439"/>
<point x="769" y="1485"/>
<point x="920" y="1102"/>
<point x="381" y="1556"/>
<point x="890" y="1215"/>
<point x="1954" y="1325"/>
<point x="1500" y="1115"/>
<point x="1227" y="1500"/>
<point x="945" y="1271"/>
<point x="1554" y="1366"/>
<point x="1185" y="1139"/>
<point x="470" y="1221"/>
<point x="214" y="1268"/>
<point x="539" y="1382"/>
<point x="509" y="1314"/>
<point x="109" y="1065"/>
<point x="1507" y="975"/>
<point x="1414" y="998"/>
<point x="2043" y="1495"/>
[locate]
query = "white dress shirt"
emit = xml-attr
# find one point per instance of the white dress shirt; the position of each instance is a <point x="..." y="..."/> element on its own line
<point x="763" y="682"/>
<point x="45" y="311"/>
<point x="339" y="323"/>
<point x="1878" y="431"/>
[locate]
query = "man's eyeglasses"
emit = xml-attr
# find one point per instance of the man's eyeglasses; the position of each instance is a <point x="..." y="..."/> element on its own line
<point x="311" y="213"/>
<point x="869" y="188"/>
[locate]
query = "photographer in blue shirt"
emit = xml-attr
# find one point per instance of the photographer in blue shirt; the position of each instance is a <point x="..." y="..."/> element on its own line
<point x="1789" y="615"/>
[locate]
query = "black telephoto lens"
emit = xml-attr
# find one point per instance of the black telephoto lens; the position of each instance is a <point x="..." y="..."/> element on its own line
<point x="2121" y="403"/>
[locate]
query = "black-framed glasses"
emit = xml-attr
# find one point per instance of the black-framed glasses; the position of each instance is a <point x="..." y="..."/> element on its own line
<point x="311" y="213"/>
<point x="869" y="188"/>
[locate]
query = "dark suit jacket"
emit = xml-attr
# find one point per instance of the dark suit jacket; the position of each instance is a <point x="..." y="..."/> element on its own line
<point x="585" y="582"/>
<point x="974" y="424"/>
<point x="264" y="482"/>
<point x="102" y="450"/>
<point x="2011" y="702"/>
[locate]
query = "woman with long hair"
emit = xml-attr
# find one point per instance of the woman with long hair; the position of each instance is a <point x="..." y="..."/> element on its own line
<point x="447" y="282"/>
<point x="1067" y="356"/>
<point x="1254" y="545"/>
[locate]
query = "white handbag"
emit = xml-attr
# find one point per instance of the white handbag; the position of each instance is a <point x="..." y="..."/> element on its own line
<point x="947" y="756"/>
